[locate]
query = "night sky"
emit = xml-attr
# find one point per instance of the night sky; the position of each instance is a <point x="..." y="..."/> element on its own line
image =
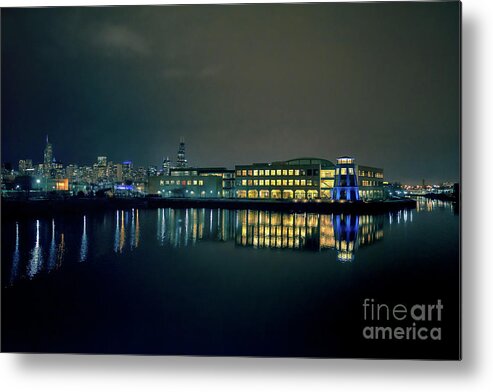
<point x="242" y="84"/>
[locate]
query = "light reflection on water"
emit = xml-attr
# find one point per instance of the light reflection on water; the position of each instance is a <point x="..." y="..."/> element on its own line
<point x="55" y="239"/>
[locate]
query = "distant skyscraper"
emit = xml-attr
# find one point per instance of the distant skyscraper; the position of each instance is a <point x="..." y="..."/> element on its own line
<point x="47" y="157"/>
<point x="181" y="160"/>
<point x="48" y="153"/>
<point x="166" y="166"/>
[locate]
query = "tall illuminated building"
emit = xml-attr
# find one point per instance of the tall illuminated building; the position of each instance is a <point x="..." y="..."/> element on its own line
<point x="181" y="160"/>
<point x="47" y="156"/>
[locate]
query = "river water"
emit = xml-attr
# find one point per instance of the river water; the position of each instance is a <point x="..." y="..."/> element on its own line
<point x="220" y="282"/>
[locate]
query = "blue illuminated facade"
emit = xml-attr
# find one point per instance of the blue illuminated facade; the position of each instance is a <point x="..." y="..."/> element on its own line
<point x="346" y="180"/>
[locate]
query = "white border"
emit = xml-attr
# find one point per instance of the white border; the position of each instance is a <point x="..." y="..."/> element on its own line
<point x="474" y="373"/>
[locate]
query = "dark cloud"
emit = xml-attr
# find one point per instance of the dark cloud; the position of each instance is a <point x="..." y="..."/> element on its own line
<point x="242" y="84"/>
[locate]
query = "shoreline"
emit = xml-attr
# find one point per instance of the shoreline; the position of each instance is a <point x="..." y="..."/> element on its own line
<point x="40" y="208"/>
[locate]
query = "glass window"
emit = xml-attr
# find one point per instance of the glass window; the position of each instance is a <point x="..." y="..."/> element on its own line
<point x="291" y="172"/>
<point x="189" y="182"/>
<point x="260" y="172"/>
<point x="250" y="182"/>
<point x="284" y="182"/>
<point x="290" y="182"/>
<point x="303" y="182"/>
<point x="296" y="172"/>
<point x="250" y="172"/>
<point x="267" y="182"/>
<point x="296" y="182"/>
<point x="351" y="171"/>
<point x="284" y="172"/>
<point x="238" y="172"/>
<point x="278" y="172"/>
<point x="278" y="182"/>
<point x="267" y="172"/>
<point x="255" y="182"/>
<point x="243" y="182"/>
<point x="309" y="182"/>
<point x="255" y="172"/>
<point x="343" y="171"/>
<point x="261" y="182"/>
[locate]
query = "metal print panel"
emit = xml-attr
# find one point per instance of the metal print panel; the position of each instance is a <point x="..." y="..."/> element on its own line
<point x="236" y="180"/>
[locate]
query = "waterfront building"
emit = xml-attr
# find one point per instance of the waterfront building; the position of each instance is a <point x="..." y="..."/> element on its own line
<point x="370" y="183"/>
<point x="181" y="161"/>
<point x="191" y="183"/>
<point x="303" y="179"/>
<point x="227" y="176"/>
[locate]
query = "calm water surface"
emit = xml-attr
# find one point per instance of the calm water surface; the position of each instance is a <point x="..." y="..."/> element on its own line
<point x="219" y="282"/>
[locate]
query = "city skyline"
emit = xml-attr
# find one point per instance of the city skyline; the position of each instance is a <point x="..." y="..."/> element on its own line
<point x="244" y="84"/>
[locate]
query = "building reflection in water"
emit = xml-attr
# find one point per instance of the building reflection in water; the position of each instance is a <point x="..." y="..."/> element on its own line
<point x="14" y="272"/>
<point x="185" y="227"/>
<point x="83" y="241"/>
<point x="36" y="261"/>
<point x="307" y="231"/>
<point x="344" y="234"/>
<point x="424" y="204"/>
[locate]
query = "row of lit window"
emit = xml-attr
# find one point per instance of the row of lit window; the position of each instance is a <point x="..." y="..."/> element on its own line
<point x="269" y="182"/>
<point x="182" y="182"/>
<point x="277" y="172"/>
<point x="362" y="173"/>
<point x="369" y="183"/>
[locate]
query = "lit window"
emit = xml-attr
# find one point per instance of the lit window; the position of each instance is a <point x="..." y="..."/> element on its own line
<point x="194" y="182"/>
<point x="261" y="182"/>
<point x="267" y="172"/>
<point x="244" y="172"/>
<point x="351" y="171"/>
<point x="238" y="172"/>
<point x="290" y="182"/>
<point x="296" y="182"/>
<point x="250" y="182"/>
<point x="250" y="172"/>
<point x="309" y="182"/>
<point x="284" y="172"/>
<point x="267" y="182"/>
<point x="278" y="182"/>
<point x="284" y="182"/>
<point x="260" y="172"/>
<point x="243" y="182"/>
<point x="201" y="182"/>
<point x="255" y="182"/>
<point x="183" y="183"/>
<point x="296" y="172"/>
<point x="343" y="171"/>
<point x="255" y="172"/>
<point x="161" y="182"/>
<point x="303" y="182"/>
<point x="189" y="182"/>
<point x="167" y="182"/>
<point x="291" y="172"/>
<point x="278" y="172"/>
